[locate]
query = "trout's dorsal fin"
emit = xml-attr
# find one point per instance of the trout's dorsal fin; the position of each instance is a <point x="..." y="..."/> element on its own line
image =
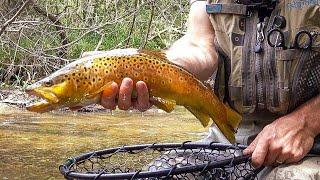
<point x="204" y="118"/>
<point x="91" y="94"/>
<point x="161" y="55"/>
<point x="165" y="104"/>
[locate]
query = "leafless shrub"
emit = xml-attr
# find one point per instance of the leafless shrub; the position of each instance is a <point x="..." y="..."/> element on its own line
<point x="47" y="34"/>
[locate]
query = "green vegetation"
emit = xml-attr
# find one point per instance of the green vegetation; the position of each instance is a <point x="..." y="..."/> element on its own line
<point x="50" y="33"/>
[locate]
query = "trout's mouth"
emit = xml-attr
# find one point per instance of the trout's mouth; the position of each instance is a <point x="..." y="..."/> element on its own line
<point x="44" y="101"/>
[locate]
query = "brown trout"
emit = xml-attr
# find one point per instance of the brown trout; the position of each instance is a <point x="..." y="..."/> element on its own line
<point x="83" y="81"/>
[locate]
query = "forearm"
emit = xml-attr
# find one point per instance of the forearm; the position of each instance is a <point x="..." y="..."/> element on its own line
<point x="195" y="51"/>
<point x="309" y="113"/>
<point x="199" y="60"/>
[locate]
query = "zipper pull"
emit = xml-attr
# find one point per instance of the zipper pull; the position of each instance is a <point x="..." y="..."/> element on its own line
<point x="258" y="48"/>
<point x="260" y="38"/>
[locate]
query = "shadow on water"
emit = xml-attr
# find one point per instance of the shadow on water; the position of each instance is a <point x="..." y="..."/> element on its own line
<point x="32" y="145"/>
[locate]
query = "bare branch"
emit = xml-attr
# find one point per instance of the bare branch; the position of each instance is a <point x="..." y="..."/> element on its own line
<point x="100" y="42"/>
<point x="30" y="42"/>
<point x="60" y="30"/>
<point x="136" y="3"/>
<point x="92" y="30"/>
<point x="149" y="26"/>
<point x="4" y="26"/>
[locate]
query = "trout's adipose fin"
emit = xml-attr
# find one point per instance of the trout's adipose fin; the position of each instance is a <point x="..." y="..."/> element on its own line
<point x="165" y="104"/>
<point x="204" y="118"/>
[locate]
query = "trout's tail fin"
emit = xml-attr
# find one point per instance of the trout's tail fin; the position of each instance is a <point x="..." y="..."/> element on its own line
<point x="233" y="117"/>
<point x="209" y="106"/>
<point x="227" y="120"/>
<point x="229" y="128"/>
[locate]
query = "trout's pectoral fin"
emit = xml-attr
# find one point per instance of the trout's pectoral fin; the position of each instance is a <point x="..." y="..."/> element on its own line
<point x="74" y="108"/>
<point x="165" y="104"/>
<point x="40" y="107"/>
<point x="105" y="87"/>
<point x="204" y="118"/>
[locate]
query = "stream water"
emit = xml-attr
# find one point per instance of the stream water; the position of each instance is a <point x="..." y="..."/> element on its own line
<point x="32" y="146"/>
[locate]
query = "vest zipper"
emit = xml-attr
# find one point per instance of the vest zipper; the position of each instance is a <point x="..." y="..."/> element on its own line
<point x="248" y="61"/>
<point x="259" y="65"/>
<point x="271" y="77"/>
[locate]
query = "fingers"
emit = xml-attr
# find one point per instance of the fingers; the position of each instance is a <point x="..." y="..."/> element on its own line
<point x="249" y="149"/>
<point x="252" y="146"/>
<point x="295" y="155"/>
<point x="290" y="155"/>
<point x="125" y="91"/>
<point x="272" y="152"/>
<point x="284" y="156"/>
<point x="108" y="99"/>
<point x="142" y="103"/>
<point x="260" y="152"/>
<point x="274" y="155"/>
<point x="280" y="142"/>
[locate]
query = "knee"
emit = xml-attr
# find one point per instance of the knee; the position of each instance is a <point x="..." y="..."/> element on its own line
<point x="308" y="168"/>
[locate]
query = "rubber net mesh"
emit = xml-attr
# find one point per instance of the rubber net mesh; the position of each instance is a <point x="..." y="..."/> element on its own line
<point x="157" y="159"/>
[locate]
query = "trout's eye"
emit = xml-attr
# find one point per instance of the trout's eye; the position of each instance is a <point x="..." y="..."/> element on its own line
<point x="48" y="83"/>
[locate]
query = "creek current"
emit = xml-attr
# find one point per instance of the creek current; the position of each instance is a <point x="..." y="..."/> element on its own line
<point x="32" y="145"/>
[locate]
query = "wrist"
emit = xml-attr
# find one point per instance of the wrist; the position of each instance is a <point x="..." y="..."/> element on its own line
<point x="310" y="122"/>
<point x="312" y="125"/>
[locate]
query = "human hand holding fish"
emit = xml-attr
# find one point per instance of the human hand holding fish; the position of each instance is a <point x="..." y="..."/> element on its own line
<point x="123" y="96"/>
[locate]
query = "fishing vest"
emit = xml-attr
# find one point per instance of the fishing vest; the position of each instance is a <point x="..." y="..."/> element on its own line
<point x="252" y="74"/>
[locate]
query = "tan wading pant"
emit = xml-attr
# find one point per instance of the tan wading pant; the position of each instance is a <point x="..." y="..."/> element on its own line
<point x="306" y="169"/>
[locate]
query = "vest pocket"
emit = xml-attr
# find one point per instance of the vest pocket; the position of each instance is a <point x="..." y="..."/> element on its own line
<point x="306" y="78"/>
<point x="293" y="66"/>
<point x="286" y="61"/>
<point x="229" y="32"/>
<point x="298" y="77"/>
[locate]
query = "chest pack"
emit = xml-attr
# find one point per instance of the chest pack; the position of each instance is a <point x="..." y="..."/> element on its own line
<point x="269" y="54"/>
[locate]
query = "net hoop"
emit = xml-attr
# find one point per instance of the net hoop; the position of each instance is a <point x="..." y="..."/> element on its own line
<point x="66" y="168"/>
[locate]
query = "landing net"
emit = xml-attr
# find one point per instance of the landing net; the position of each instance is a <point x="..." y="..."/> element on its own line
<point x="162" y="161"/>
